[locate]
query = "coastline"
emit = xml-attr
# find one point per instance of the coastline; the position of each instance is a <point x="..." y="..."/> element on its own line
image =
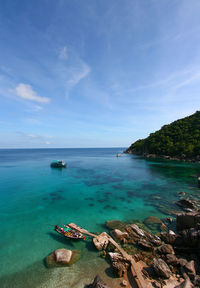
<point x="166" y="157"/>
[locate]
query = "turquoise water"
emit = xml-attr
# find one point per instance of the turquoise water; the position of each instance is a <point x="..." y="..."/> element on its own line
<point x="96" y="186"/>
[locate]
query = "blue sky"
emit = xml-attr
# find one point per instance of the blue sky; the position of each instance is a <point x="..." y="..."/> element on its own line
<point x="95" y="73"/>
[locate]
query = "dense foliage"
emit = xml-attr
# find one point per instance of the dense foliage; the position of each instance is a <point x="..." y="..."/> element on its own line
<point x="181" y="137"/>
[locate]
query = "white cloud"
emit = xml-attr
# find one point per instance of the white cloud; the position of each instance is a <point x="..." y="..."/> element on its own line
<point x="63" y="53"/>
<point x="47" y="143"/>
<point x="25" y="91"/>
<point x="78" y="73"/>
<point x="33" y="136"/>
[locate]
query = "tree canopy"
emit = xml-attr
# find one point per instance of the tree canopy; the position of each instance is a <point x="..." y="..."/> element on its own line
<point x="180" y="137"/>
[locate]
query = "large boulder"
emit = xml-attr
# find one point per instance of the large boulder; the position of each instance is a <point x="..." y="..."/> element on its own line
<point x="62" y="257"/>
<point x="161" y="268"/>
<point x="187" y="220"/>
<point x="168" y="237"/>
<point x="165" y="249"/>
<point x="98" y="283"/>
<point x="118" y="234"/>
<point x="186" y="204"/>
<point x="101" y="241"/>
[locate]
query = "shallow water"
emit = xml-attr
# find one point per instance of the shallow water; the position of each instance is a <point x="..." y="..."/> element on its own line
<point x="96" y="186"/>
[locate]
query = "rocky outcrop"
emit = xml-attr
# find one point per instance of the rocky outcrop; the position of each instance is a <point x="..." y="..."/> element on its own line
<point x="165" y="249"/>
<point x="119" y="264"/>
<point x="188" y="220"/>
<point x="101" y="241"/>
<point x="161" y="268"/>
<point x="119" y="235"/>
<point x="62" y="257"/>
<point x="187" y="205"/>
<point x="98" y="283"/>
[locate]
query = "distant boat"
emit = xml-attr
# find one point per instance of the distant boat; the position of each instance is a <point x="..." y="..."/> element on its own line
<point x="58" y="164"/>
<point x="119" y="155"/>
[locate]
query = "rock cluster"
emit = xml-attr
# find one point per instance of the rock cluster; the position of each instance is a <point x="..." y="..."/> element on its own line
<point x="167" y="256"/>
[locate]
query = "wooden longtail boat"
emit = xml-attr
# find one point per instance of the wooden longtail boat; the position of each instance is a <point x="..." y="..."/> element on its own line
<point x="69" y="233"/>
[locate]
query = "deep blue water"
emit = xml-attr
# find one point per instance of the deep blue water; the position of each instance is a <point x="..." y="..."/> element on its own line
<point x="96" y="186"/>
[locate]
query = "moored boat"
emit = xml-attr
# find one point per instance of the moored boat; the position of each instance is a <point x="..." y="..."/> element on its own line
<point x="69" y="233"/>
<point x="58" y="164"/>
<point x="119" y="155"/>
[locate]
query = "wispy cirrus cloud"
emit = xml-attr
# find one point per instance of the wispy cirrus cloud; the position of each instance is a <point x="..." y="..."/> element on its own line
<point x="26" y="91"/>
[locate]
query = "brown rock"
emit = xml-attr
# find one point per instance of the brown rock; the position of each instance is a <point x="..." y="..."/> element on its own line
<point x="98" y="283"/>
<point x="119" y="235"/>
<point x="137" y="230"/>
<point x="161" y="268"/>
<point x="185" y="284"/>
<point x="186" y="204"/>
<point x="115" y="224"/>
<point x="168" y="238"/>
<point x="101" y="241"/>
<point x="146" y="245"/>
<point x="152" y="220"/>
<point x="165" y="249"/>
<point x="63" y="256"/>
<point x="171" y="259"/>
<point x="187" y="220"/>
<point x="190" y="270"/>
<point x="119" y="268"/>
<point x="182" y="262"/>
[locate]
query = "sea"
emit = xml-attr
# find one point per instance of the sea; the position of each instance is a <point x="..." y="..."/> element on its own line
<point x="95" y="187"/>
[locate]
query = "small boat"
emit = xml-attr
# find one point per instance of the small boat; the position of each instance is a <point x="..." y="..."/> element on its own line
<point x="69" y="233"/>
<point x="119" y="155"/>
<point x="58" y="164"/>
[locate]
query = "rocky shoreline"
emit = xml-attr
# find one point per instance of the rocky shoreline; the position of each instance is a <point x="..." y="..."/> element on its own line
<point x="169" y="258"/>
<point x="183" y="157"/>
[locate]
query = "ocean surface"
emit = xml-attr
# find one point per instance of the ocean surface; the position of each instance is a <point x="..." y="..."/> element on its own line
<point x="95" y="187"/>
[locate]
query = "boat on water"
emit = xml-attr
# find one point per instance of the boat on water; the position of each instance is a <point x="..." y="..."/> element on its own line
<point x="58" y="164"/>
<point x="69" y="233"/>
<point x="119" y="155"/>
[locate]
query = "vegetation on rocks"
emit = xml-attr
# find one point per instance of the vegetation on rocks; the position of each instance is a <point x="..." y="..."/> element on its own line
<point x="178" y="139"/>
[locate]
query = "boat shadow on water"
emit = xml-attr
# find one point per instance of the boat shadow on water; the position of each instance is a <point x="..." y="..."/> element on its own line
<point x="61" y="239"/>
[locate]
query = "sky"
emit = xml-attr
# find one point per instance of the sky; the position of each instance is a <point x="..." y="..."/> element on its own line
<point x="95" y="73"/>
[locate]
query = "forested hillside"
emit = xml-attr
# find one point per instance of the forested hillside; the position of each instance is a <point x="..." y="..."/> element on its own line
<point x="178" y="139"/>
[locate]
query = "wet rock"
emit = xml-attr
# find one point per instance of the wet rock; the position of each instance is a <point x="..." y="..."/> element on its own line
<point x="197" y="281"/>
<point x="115" y="224"/>
<point x="187" y="220"/>
<point x="198" y="182"/>
<point x="168" y="238"/>
<point x="170" y="219"/>
<point x="119" y="235"/>
<point x="145" y="245"/>
<point x="165" y="249"/>
<point x="119" y="268"/>
<point x="182" y="262"/>
<point x="98" y="283"/>
<point x="181" y="193"/>
<point x="119" y="264"/>
<point x="185" y="284"/>
<point x="152" y="220"/>
<point x="137" y="230"/>
<point x="101" y="241"/>
<point x="190" y="269"/>
<point x="171" y="259"/>
<point x="186" y="204"/>
<point x="114" y="257"/>
<point x="62" y="257"/>
<point x="161" y="268"/>
<point x="124" y="283"/>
